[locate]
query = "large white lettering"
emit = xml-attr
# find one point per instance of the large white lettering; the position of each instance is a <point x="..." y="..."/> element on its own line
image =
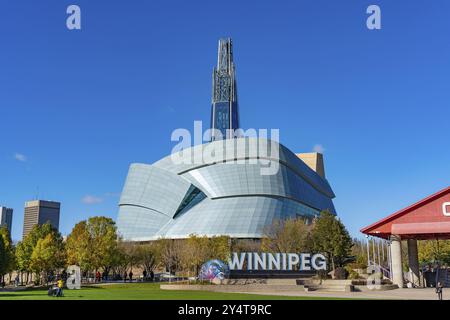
<point x="277" y="262"/>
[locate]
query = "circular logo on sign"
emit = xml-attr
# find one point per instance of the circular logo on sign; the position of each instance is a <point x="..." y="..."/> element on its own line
<point x="214" y="269"/>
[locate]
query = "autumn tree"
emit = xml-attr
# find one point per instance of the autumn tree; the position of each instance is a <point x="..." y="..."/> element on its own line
<point x="48" y="255"/>
<point x="92" y="244"/>
<point x="147" y="256"/>
<point x="120" y="261"/>
<point x="78" y="247"/>
<point x="431" y="251"/>
<point x="25" y="248"/>
<point x="170" y="253"/>
<point x="220" y="248"/>
<point x="7" y="255"/>
<point x="195" y="253"/>
<point x="198" y="250"/>
<point x="291" y="235"/>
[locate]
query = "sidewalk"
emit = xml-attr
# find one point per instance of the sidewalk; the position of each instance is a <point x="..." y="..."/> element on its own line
<point x="397" y="294"/>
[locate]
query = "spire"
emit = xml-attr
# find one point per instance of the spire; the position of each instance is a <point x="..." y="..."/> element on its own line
<point x="224" y="115"/>
<point x="225" y="55"/>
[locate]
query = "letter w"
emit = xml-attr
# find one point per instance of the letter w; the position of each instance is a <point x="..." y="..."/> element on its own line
<point x="237" y="263"/>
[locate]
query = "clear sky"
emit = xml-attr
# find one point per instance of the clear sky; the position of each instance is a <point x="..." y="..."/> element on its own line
<point x="77" y="107"/>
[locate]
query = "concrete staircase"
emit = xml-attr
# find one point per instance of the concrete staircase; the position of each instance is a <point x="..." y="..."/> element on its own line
<point x="306" y="284"/>
<point x="327" y="285"/>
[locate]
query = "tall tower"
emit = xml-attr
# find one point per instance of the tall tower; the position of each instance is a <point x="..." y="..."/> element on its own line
<point x="224" y="113"/>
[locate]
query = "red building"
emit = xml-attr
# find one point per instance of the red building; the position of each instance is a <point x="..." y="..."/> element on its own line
<point x="424" y="220"/>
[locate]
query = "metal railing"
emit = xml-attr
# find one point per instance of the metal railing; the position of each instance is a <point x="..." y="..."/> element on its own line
<point x="385" y="271"/>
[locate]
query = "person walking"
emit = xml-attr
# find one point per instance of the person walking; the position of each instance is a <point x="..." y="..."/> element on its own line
<point x="130" y="275"/>
<point x="125" y="277"/>
<point x="144" y="275"/>
<point x="439" y="288"/>
<point x="152" y="276"/>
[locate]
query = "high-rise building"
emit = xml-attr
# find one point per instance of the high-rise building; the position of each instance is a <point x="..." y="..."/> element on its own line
<point x="6" y="215"/>
<point x="224" y="113"/>
<point x="40" y="212"/>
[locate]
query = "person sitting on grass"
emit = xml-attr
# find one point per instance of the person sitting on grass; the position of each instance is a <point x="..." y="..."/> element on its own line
<point x="59" y="290"/>
<point x="51" y="291"/>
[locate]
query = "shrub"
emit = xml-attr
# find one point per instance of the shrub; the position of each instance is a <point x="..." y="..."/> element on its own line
<point x="340" y="273"/>
<point x="322" y="275"/>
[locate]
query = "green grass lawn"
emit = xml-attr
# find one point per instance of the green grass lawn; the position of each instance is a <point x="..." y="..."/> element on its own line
<point x="138" y="291"/>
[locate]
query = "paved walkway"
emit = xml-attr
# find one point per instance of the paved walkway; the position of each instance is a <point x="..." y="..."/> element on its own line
<point x="397" y="294"/>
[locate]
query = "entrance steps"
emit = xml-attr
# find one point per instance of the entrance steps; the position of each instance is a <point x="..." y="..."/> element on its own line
<point x="306" y="284"/>
<point x="328" y="285"/>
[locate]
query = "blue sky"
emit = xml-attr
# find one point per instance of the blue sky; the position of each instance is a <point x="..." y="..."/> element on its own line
<point x="77" y="107"/>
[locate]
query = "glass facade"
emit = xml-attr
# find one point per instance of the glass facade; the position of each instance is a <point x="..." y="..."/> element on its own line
<point x="227" y="197"/>
<point x="221" y="189"/>
<point x="224" y="113"/>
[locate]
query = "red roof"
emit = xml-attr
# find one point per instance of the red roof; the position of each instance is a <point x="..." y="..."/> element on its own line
<point x="418" y="220"/>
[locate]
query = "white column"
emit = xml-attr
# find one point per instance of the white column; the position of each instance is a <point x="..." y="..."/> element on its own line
<point x="368" y="251"/>
<point x="413" y="261"/>
<point x="396" y="256"/>
<point x="389" y="260"/>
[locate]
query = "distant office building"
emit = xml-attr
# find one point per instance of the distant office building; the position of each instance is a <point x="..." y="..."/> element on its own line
<point x="6" y="215"/>
<point x="40" y="212"/>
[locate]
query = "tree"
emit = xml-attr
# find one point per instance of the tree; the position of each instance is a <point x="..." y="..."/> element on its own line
<point x="359" y="252"/>
<point x="330" y="237"/>
<point x="129" y="256"/>
<point x="78" y="247"/>
<point x="196" y="250"/>
<point x="245" y="245"/>
<point x="195" y="253"/>
<point x="7" y="254"/>
<point x="48" y="255"/>
<point x="92" y="244"/>
<point x="292" y="235"/>
<point x="170" y="253"/>
<point x="431" y="251"/>
<point x="220" y="248"/>
<point x="120" y="263"/>
<point x="148" y="256"/>
<point x="23" y="257"/>
<point x="3" y="259"/>
<point x="25" y="248"/>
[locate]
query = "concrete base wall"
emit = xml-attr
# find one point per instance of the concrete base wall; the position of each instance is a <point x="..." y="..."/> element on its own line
<point x="384" y="287"/>
<point x="278" y="285"/>
<point x="233" y="288"/>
